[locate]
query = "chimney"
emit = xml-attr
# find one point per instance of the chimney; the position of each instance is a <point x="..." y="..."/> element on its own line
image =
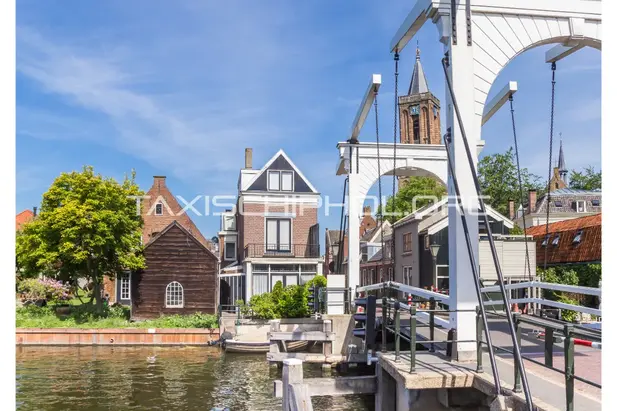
<point x="159" y="181"/>
<point x="511" y="209"/>
<point x="248" y="158"/>
<point x="367" y="210"/>
<point x="531" y="207"/>
<point x="34" y="210"/>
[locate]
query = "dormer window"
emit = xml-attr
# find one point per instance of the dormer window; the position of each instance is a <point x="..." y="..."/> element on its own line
<point x="556" y="240"/>
<point x="578" y="237"/>
<point x="580" y="206"/>
<point x="158" y="209"/>
<point x="545" y="242"/>
<point x="558" y="203"/>
<point x="280" y="180"/>
<point x="595" y="203"/>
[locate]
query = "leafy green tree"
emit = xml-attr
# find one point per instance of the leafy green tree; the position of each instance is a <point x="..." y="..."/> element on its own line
<point x="586" y="180"/>
<point x="499" y="180"/>
<point x="417" y="193"/>
<point x="516" y="230"/>
<point x="88" y="227"/>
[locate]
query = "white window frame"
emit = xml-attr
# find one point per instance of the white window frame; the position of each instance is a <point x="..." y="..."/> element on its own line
<point x="407" y="274"/>
<point x="578" y="202"/>
<point x="156" y="208"/>
<point x="437" y="276"/>
<point x="292" y="180"/>
<point x="181" y="304"/>
<point x="122" y="277"/>
<point x="278" y="236"/>
<point x="225" y="257"/>
<point x="278" y="179"/>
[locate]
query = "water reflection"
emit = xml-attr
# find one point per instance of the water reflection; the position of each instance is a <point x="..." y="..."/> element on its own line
<point x="102" y="378"/>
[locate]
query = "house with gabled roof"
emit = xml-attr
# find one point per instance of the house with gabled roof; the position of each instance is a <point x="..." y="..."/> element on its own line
<point x="272" y="233"/>
<point x="178" y="258"/>
<point x="180" y="277"/>
<point x="428" y="226"/>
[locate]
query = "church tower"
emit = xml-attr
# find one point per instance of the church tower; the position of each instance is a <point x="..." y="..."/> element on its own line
<point x="559" y="179"/>
<point x="419" y="110"/>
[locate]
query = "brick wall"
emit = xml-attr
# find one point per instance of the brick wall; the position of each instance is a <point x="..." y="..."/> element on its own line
<point x="252" y="224"/>
<point x="426" y="102"/>
<point x="154" y="224"/>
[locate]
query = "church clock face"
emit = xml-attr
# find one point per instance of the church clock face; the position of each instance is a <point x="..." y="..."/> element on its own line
<point x="415" y="110"/>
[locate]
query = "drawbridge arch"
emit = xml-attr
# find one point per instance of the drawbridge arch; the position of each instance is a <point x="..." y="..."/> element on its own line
<point x="480" y="38"/>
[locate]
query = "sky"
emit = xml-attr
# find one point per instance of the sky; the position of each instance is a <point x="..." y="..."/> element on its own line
<point x="181" y="88"/>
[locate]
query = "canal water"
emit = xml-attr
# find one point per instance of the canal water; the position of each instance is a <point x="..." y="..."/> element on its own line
<point x="183" y="378"/>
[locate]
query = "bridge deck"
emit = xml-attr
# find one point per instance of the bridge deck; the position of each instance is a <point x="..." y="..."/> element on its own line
<point x="546" y="385"/>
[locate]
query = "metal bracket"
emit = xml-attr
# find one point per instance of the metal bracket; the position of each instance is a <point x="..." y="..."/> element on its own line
<point x="468" y="20"/>
<point x="453" y="20"/>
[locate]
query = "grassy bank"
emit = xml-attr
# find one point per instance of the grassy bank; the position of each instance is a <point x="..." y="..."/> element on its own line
<point x="113" y="317"/>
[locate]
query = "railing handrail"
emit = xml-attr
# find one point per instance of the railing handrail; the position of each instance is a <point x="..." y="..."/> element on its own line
<point x="420" y="292"/>
<point x="550" y="303"/>
<point x="260" y="249"/>
<point x="548" y="286"/>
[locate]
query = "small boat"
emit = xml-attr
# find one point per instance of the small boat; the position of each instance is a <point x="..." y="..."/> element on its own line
<point x="259" y="346"/>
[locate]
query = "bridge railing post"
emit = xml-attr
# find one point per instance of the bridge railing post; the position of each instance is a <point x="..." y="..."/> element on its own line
<point x="292" y="374"/>
<point x="548" y="346"/>
<point x="431" y="306"/>
<point x="568" y="349"/>
<point x="412" y="339"/>
<point x="384" y="317"/>
<point x="479" y="340"/>
<point x="517" y="366"/>
<point x="397" y="330"/>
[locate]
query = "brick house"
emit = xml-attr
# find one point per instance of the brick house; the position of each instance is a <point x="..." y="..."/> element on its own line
<point x="375" y="265"/>
<point x="334" y="243"/>
<point x="573" y="241"/>
<point x="565" y="204"/>
<point x="169" y="232"/>
<point x="272" y="233"/>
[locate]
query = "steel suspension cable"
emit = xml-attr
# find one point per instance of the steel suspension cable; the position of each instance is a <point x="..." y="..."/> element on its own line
<point x="395" y="137"/>
<point x="520" y="184"/>
<point x="491" y="240"/>
<point x="550" y="161"/>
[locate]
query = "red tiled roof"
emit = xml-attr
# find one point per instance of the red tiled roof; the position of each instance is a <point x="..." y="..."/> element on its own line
<point x="567" y="225"/>
<point x="589" y="249"/>
<point x="22" y="218"/>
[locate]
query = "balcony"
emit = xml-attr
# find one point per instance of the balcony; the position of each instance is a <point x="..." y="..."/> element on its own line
<point x="281" y="250"/>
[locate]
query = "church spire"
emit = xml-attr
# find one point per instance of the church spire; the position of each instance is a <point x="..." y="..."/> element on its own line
<point x="561" y="164"/>
<point x="418" y="83"/>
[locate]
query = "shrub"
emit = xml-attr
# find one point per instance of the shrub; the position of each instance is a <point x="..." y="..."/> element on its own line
<point x="294" y="302"/>
<point x="568" y="315"/>
<point x="264" y="306"/>
<point x="37" y="289"/>
<point x="317" y="281"/>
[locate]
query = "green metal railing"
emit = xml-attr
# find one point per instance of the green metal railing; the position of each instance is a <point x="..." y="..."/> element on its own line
<point x="569" y="331"/>
<point x="555" y="332"/>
